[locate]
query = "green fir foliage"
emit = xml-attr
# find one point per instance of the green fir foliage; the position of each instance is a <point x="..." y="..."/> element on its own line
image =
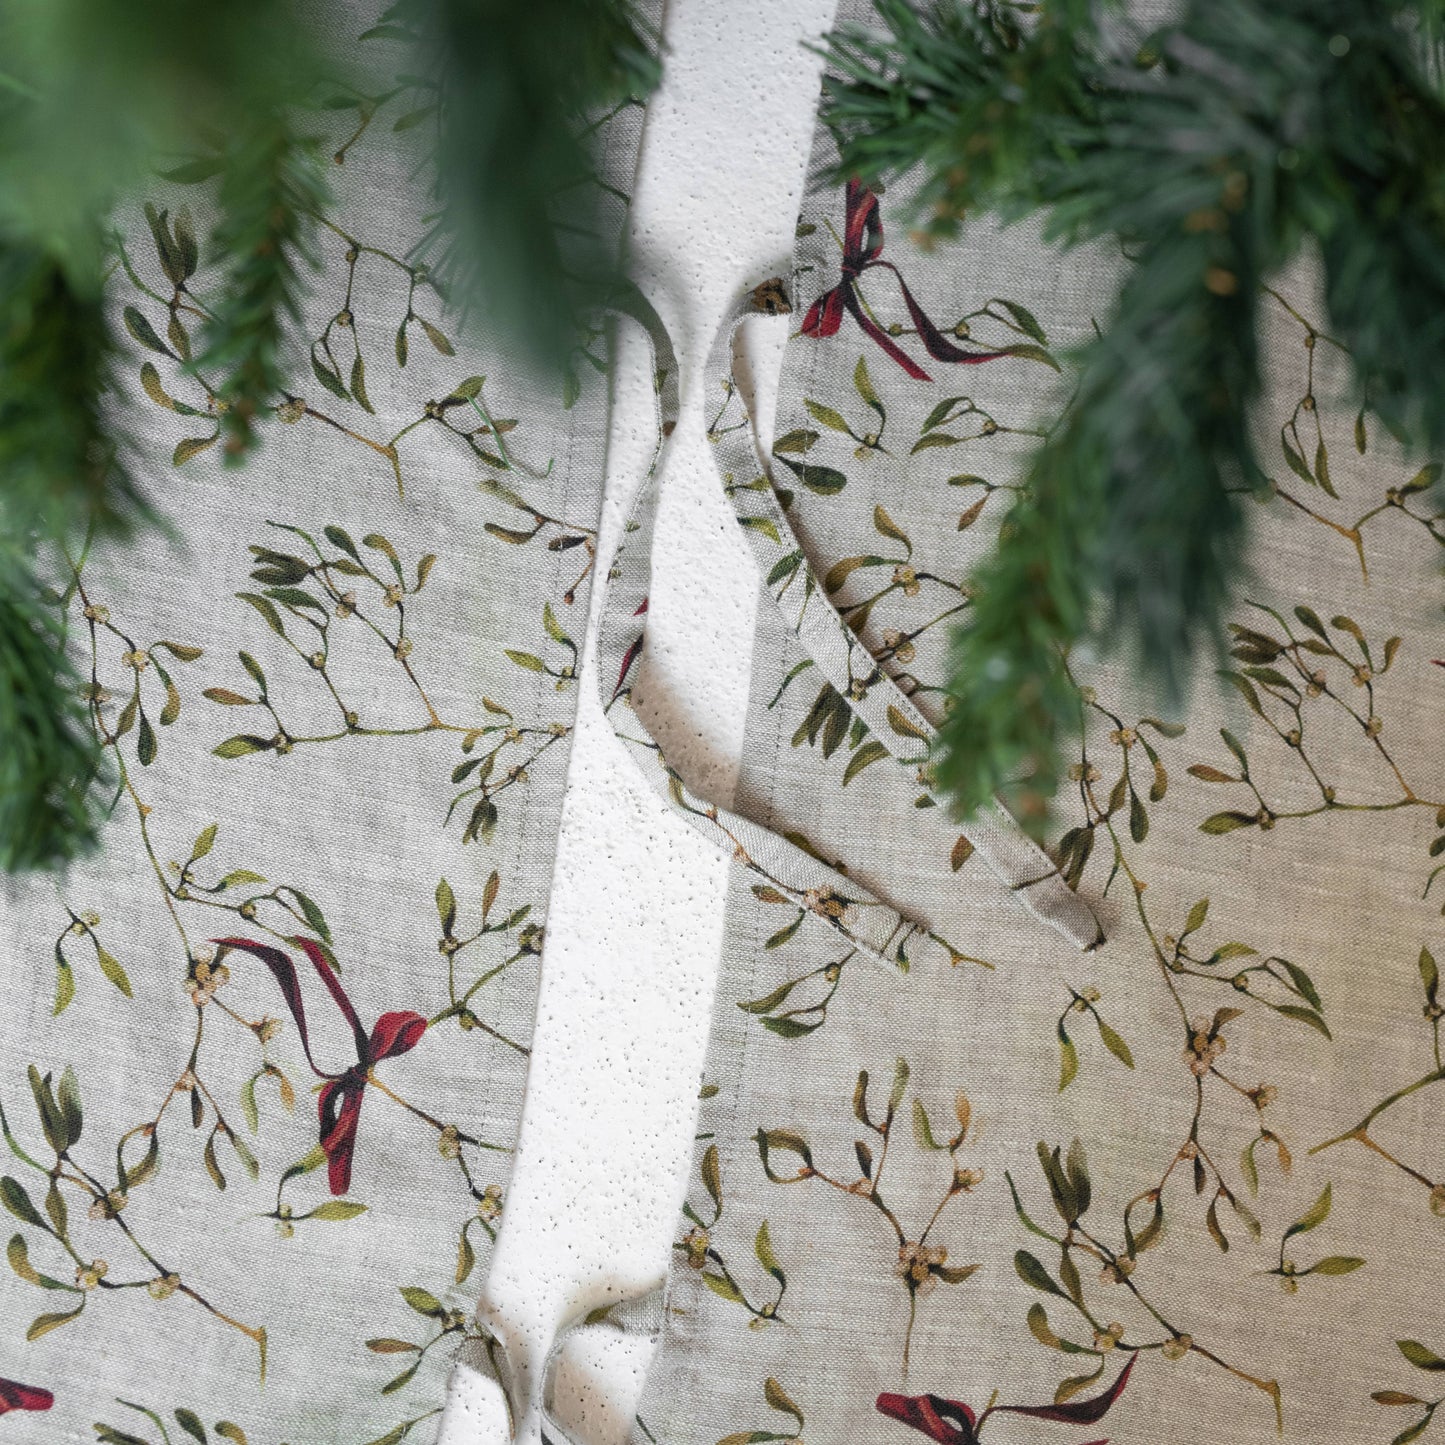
<point x="1211" y="151"/>
<point x="519" y="232"/>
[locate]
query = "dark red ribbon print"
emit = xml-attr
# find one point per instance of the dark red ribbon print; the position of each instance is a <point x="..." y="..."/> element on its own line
<point x="631" y="656"/>
<point x="951" y="1422"/>
<point x="338" y="1105"/>
<point x="15" y="1396"/>
<point x="862" y="250"/>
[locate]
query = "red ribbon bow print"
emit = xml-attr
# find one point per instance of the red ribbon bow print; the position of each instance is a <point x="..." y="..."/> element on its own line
<point x="338" y="1105"/>
<point x="631" y="656"/>
<point x="14" y="1396"/>
<point x="862" y="248"/>
<point x="951" y="1422"/>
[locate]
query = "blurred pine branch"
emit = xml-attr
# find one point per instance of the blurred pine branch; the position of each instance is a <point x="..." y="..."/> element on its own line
<point x="95" y="99"/>
<point x="1212" y="150"/>
<point x="520" y="233"/>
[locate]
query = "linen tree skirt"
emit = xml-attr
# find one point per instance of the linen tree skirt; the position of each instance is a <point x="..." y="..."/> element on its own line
<point x="1129" y="1139"/>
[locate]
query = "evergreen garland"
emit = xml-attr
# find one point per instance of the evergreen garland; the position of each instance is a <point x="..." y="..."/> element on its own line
<point x="57" y="463"/>
<point x="48" y="760"/>
<point x="1211" y="150"/>
<point x="272" y="188"/>
<point x="518" y="234"/>
<point x="96" y="98"/>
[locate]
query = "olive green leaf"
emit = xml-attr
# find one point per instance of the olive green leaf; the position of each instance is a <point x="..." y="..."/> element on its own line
<point x="1313" y="1217"/>
<point x="1420" y="1357"/>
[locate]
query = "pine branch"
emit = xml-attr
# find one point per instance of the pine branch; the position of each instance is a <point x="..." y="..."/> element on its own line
<point x="522" y="236"/>
<point x="58" y="460"/>
<point x="94" y="97"/>
<point x="272" y="188"/>
<point x="103" y="93"/>
<point x="49" y="760"/>
<point x="1211" y="150"/>
<point x="58" y="463"/>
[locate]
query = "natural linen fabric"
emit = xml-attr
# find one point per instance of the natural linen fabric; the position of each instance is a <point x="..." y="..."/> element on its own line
<point x="276" y="1032"/>
<point x="953" y="1177"/>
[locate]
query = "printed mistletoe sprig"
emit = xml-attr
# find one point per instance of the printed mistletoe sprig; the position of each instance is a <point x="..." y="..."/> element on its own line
<point x="700" y="1251"/>
<point x="61" y="1116"/>
<point x="1071" y="1191"/>
<point x="304" y="599"/>
<point x="1276" y="983"/>
<point x="148" y="688"/>
<point x="1289" y="1272"/>
<point x="339" y="365"/>
<point x="1423" y="1358"/>
<point x="830" y="721"/>
<point x="1086" y="1001"/>
<point x="401" y="1432"/>
<point x="453" y="1331"/>
<point x="139" y="1149"/>
<point x="977" y="423"/>
<point x="1304" y="444"/>
<point x="1433" y="1011"/>
<point x="777" y="1398"/>
<point x="791" y="1017"/>
<point x="1122" y="818"/>
<point x="451" y="1327"/>
<point x="190" y="1423"/>
<point x="1287" y="679"/>
<point x="84" y="925"/>
<point x="523" y="940"/>
<point x="902" y="580"/>
<point x="867" y="438"/>
<point x="278" y="909"/>
<point x="191" y="1092"/>
<point x="839" y="909"/>
<point x="1134" y="786"/>
<point x="186" y="345"/>
<point x="179" y="882"/>
<point x="920" y="1265"/>
<point x="488" y="1204"/>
